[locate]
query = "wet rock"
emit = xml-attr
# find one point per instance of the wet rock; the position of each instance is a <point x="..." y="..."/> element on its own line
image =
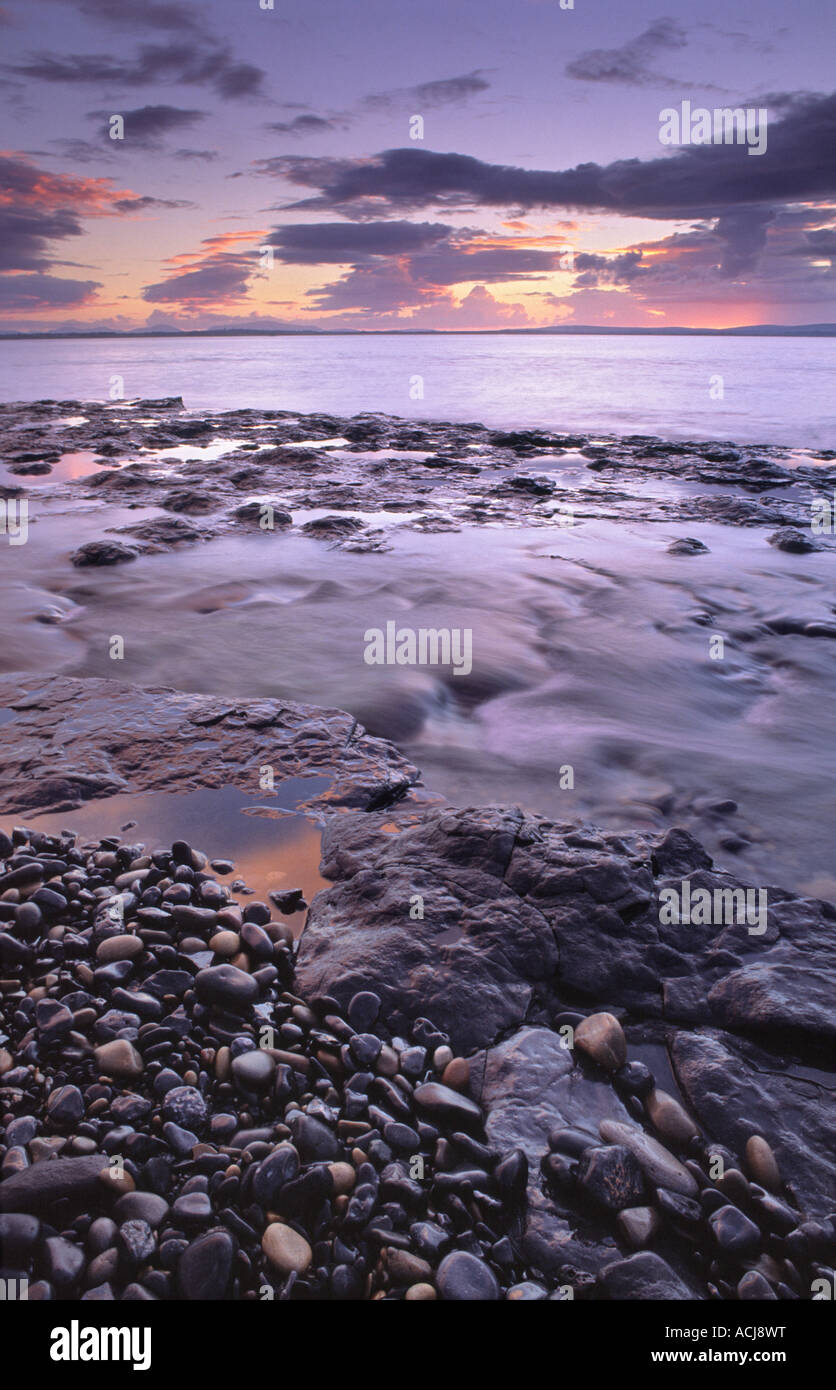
<point x="102" y="553"/>
<point x="643" y="1276"/>
<point x="658" y="1165"/>
<point x="205" y="1267"/>
<point x="601" y="1038"/>
<point x="286" y="1249"/>
<point x="611" y="1177"/>
<point x="465" y="1278"/>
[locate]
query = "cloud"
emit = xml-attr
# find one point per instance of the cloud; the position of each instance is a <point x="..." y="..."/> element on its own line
<point x="440" y="92"/>
<point x="218" y="273"/>
<point x="306" y="125"/>
<point x="192" y="64"/>
<point x="322" y="243"/>
<point x="146" y="125"/>
<point x="147" y="204"/>
<point x="699" y="180"/>
<point x="630" y="64"/>
<point x="33" y="292"/>
<point x="153" y="14"/>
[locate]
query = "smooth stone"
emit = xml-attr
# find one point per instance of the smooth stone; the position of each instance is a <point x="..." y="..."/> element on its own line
<point x="659" y="1166"/>
<point x="753" y="1285"/>
<point x="364" y="1010"/>
<point x="286" y="1250"/>
<point x="441" y="1100"/>
<point x="205" y="1266"/>
<point x="42" y="1183"/>
<point x="462" y="1277"/>
<point x="253" y="1071"/>
<point x="119" y="1058"/>
<point x="225" y="943"/>
<point x="637" y="1226"/>
<point x="343" y="1176"/>
<point x="601" y="1037"/>
<point x="420" y="1293"/>
<point x="670" y="1119"/>
<point x="312" y="1138"/>
<point x="113" y="948"/>
<point x="141" y="1206"/>
<point x="63" y="1261"/>
<point x="527" y="1292"/>
<point x="226" y="985"/>
<point x="734" y="1232"/>
<point x="456" y="1074"/>
<point x="65" y="1107"/>
<point x="762" y="1164"/>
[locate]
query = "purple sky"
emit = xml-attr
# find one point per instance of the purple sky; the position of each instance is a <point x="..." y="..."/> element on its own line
<point x="268" y="175"/>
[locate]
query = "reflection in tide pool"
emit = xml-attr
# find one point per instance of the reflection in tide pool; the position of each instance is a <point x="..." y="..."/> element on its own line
<point x="274" y="845"/>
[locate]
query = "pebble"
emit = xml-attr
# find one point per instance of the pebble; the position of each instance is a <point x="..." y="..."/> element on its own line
<point x="762" y="1164"/>
<point x="601" y="1037"/>
<point x="457" y="1074"/>
<point x="734" y="1232"/>
<point x="205" y="1266"/>
<point x="286" y="1249"/>
<point x="465" y="1278"/>
<point x="420" y="1293"/>
<point x="659" y="1166"/>
<point x="124" y="947"/>
<point x="440" y="1100"/>
<point x="670" y="1119"/>
<point x="254" y="1070"/>
<point x="226" y="985"/>
<point x="637" y="1226"/>
<point x="119" y="1058"/>
<point x="611" y="1177"/>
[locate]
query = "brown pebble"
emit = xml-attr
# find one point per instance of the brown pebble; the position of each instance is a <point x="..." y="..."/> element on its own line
<point x="124" y="947"/>
<point x="225" y="943"/>
<point x="286" y="1249"/>
<point x="762" y="1164"/>
<point x="118" y="1058"/>
<point x="457" y="1074"/>
<point x="602" y="1038"/>
<point x="343" y="1177"/>
<point x="420" y="1293"/>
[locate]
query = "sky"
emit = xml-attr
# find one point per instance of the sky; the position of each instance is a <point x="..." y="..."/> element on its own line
<point x="449" y="165"/>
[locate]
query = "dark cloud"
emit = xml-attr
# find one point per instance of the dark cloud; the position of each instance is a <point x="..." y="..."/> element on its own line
<point x="26" y="232"/>
<point x="699" y="180"/>
<point x="147" y="124"/>
<point x="323" y="243"/>
<point x="305" y="125"/>
<point x="440" y="92"/>
<point x="193" y="64"/>
<point x="33" y="292"/>
<point x="147" y="204"/>
<point x="204" y="155"/>
<point x="146" y="14"/>
<point x="631" y="63"/>
<point x="219" y="280"/>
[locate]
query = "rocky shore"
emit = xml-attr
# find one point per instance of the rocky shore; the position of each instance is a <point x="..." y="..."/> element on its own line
<point x="211" y="472"/>
<point x="446" y="1102"/>
<point x="489" y="1069"/>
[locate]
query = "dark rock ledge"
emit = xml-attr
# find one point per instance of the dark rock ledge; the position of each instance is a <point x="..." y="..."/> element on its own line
<point x="681" y="1147"/>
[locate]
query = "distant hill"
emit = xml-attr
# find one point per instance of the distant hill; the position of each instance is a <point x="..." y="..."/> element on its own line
<point x="753" y="330"/>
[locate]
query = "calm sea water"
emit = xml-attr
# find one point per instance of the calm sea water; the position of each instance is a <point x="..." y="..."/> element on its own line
<point x="774" y="390"/>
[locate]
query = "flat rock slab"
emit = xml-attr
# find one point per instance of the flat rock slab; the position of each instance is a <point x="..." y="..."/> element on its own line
<point x="470" y="916"/>
<point x="72" y="741"/>
<point x="37" y="1187"/>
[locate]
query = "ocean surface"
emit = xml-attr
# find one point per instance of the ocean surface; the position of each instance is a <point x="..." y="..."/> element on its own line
<point x="760" y="390"/>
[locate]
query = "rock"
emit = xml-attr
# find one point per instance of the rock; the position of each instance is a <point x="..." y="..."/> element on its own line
<point x="420" y="1293"/>
<point x="753" y="1285"/>
<point x="363" y="1010"/>
<point x="120" y="1059"/>
<point x="123" y="947"/>
<point x="63" y="1262"/>
<point x="642" y="1276"/>
<point x="226" y="985"/>
<point x="457" y="1074"/>
<point x="205" y="1266"/>
<point x="795" y="542"/>
<point x="102" y="553"/>
<point x="141" y="1206"/>
<point x="254" y="1070"/>
<point x="38" y="1186"/>
<point x="314" y="1140"/>
<point x="136" y="1241"/>
<point x="447" y="1104"/>
<point x="734" y="1232"/>
<point x="762" y="1164"/>
<point x="637" y="1226"/>
<point x="65" y="1107"/>
<point x="611" y="1177"/>
<point x="687" y="545"/>
<point x="279" y="1167"/>
<point x="658" y="1166"/>
<point x="225" y="943"/>
<point x="185" y="1106"/>
<point x="670" y="1120"/>
<point x="464" y="1278"/>
<point x="601" y="1037"/>
<point x="286" y="1250"/>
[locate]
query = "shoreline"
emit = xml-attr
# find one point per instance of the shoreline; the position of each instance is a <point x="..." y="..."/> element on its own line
<point x="547" y="1168"/>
